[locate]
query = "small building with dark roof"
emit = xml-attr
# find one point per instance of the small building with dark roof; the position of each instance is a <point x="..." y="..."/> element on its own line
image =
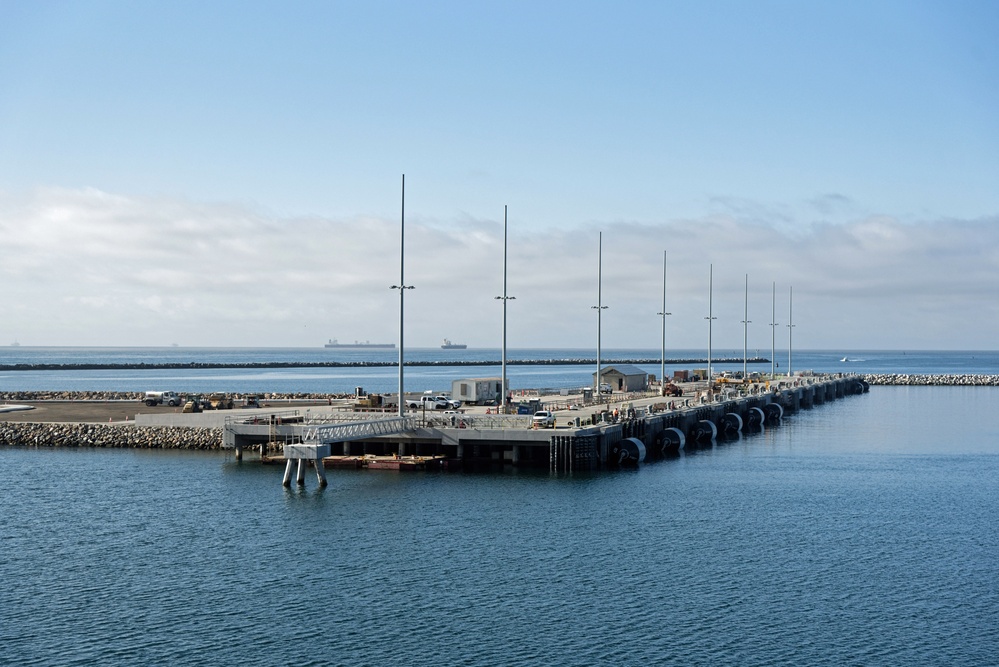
<point x="624" y="377"/>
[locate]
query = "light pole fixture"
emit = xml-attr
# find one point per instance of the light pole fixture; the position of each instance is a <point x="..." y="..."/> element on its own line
<point x="663" y="314"/>
<point x="402" y="287"/>
<point x="710" y="318"/>
<point x="504" y="298"/>
<point x="745" y="333"/>
<point x="790" y="326"/>
<point x="599" y="307"/>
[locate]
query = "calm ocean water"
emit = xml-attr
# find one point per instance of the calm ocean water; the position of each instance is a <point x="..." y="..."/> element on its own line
<point x="862" y="532"/>
<point x="435" y="378"/>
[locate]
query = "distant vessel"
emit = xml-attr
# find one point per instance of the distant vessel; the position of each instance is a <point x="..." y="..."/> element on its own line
<point x="448" y="345"/>
<point x="356" y="344"/>
<point x="844" y="359"/>
<point x="15" y="344"/>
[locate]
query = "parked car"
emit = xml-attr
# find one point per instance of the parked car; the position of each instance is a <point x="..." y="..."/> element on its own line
<point x="543" y="419"/>
<point x="605" y="388"/>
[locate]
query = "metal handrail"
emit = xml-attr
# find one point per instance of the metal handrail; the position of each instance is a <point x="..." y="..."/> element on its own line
<point x="356" y="430"/>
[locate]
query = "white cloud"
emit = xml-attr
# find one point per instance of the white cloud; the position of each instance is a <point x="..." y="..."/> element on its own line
<point x="87" y="267"/>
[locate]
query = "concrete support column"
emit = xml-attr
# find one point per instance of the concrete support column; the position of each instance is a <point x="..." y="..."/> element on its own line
<point x="289" y="466"/>
<point x="300" y="477"/>
<point x="321" y="472"/>
<point x="515" y="459"/>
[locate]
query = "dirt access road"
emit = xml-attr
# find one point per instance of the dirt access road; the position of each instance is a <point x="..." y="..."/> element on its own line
<point x="97" y="411"/>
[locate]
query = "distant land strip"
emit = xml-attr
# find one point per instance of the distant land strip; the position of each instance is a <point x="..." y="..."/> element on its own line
<point x="362" y="364"/>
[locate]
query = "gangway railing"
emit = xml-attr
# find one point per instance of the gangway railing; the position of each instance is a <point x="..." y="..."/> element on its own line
<point x="356" y="430"/>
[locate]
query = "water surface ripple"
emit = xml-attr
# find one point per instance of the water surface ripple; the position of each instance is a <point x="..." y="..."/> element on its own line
<point x="862" y="531"/>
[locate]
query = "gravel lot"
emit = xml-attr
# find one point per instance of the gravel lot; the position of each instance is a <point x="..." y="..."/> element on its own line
<point x="96" y="411"/>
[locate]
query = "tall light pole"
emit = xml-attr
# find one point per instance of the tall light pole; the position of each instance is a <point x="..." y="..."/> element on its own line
<point x="599" y="307"/>
<point x="504" y="298"/>
<point x="790" y="327"/>
<point x="402" y="287"/>
<point x="710" y="318"/>
<point x="745" y="333"/>
<point x="663" y="314"/>
<point x="773" y="330"/>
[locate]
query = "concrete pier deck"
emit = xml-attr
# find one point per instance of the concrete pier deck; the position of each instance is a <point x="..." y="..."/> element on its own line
<point x="621" y="430"/>
<point x="646" y="425"/>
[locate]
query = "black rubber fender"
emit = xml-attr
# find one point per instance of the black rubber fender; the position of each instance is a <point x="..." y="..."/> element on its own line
<point x="755" y="418"/>
<point x="673" y="440"/>
<point x="627" y="451"/>
<point x="773" y="411"/>
<point x="730" y="424"/>
<point x="703" y="431"/>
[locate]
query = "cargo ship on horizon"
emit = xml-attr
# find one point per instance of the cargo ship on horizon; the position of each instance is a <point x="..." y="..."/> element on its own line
<point x="448" y="345"/>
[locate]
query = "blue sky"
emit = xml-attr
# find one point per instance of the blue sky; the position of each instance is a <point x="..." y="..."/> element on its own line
<point x="162" y="162"/>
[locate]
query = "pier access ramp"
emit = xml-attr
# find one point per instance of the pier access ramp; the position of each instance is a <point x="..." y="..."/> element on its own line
<point x="310" y="429"/>
<point x="345" y="431"/>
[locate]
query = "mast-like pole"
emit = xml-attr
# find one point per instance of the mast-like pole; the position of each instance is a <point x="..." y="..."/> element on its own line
<point x="504" y="298"/>
<point x="790" y="326"/>
<point x="773" y="330"/>
<point x="402" y="294"/>
<point x="745" y="334"/>
<point x="599" y="307"/>
<point x="710" y="318"/>
<point x="402" y="287"/>
<point x="663" y="314"/>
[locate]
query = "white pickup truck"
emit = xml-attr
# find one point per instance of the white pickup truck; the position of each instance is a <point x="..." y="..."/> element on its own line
<point x="433" y="403"/>
<point x="543" y="419"/>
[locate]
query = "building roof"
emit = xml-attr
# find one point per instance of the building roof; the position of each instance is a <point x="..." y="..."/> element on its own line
<point x="624" y="369"/>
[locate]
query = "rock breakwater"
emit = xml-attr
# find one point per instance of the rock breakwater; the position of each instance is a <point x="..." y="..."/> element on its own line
<point x="957" y="380"/>
<point x="70" y="396"/>
<point x="28" y="396"/>
<point x="568" y="361"/>
<point x="110" y="436"/>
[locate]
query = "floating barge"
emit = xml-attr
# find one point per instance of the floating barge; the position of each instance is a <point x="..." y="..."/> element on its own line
<point x="372" y="462"/>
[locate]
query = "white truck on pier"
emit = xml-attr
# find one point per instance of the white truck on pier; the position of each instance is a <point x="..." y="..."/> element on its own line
<point x="433" y="403"/>
<point x="153" y="398"/>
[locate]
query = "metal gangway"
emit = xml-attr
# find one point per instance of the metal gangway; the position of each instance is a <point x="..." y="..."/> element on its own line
<point x="354" y="429"/>
<point x="317" y="438"/>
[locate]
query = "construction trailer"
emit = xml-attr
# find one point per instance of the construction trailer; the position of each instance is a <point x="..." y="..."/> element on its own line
<point x="479" y="391"/>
